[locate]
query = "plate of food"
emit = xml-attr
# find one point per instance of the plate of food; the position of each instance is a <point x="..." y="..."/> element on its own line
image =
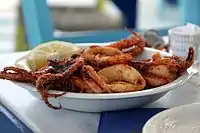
<point x="182" y="119"/>
<point x="99" y="77"/>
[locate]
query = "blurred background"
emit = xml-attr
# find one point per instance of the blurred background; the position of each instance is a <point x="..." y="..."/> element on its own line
<point x="85" y="15"/>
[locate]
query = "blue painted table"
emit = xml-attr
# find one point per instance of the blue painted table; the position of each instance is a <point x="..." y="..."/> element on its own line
<point x="11" y="124"/>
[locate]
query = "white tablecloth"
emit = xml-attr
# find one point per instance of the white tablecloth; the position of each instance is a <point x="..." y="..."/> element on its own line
<point x="41" y="119"/>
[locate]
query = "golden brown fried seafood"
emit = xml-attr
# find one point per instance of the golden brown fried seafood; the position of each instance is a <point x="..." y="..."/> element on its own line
<point x="105" y="56"/>
<point x="17" y="74"/>
<point x="122" y="78"/>
<point x="162" y="70"/>
<point x="92" y="79"/>
<point x="133" y="45"/>
<point x="58" y="81"/>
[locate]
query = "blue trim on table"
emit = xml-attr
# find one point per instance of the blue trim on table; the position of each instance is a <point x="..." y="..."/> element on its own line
<point x="127" y="121"/>
<point x="9" y="123"/>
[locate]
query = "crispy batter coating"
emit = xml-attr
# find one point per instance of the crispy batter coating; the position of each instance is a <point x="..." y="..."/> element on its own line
<point x="162" y="70"/>
<point x="105" y="56"/>
<point x="133" y="45"/>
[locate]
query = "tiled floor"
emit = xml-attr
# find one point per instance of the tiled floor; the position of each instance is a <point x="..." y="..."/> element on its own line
<point x="147" y="18"/>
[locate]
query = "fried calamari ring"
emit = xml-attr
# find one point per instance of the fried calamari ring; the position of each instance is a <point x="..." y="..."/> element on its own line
<point x="116" y="76"/>
<point x="105" y="56"/>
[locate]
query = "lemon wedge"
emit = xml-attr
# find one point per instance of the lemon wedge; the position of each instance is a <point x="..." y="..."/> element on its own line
<point x="39" y="56"/>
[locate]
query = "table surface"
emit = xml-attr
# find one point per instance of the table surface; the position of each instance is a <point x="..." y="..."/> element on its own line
<point x="40" y="118"/>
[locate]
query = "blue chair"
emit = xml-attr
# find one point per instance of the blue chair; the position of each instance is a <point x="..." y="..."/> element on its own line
<point x="39" y="27"/>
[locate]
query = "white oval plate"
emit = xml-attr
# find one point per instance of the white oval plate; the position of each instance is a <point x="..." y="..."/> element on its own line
<point x="109" y="102"/>
<point x="182" y="119"/>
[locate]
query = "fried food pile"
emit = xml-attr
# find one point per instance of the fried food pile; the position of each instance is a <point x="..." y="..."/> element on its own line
<point x="103" y="69"/>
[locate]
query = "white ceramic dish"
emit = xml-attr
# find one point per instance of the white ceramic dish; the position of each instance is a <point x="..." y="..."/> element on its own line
<point x="182" y="119"/>
<point x="109" y="102"/>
